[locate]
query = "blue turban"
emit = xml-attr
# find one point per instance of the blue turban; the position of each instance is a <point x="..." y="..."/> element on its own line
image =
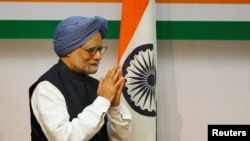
<point x="74" y="31"/>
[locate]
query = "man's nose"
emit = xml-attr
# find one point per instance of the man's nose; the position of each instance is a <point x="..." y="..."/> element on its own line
<point x="98" y="55"/>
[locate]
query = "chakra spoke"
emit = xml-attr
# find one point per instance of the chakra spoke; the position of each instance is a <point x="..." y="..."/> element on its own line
<point x="140" y="73"/>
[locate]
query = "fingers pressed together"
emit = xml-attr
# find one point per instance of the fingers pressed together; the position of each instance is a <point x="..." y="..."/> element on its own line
<point x="110" y="87"/>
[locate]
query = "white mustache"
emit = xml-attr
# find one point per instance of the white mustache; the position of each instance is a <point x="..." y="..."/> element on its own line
<point x="94" y="63"/>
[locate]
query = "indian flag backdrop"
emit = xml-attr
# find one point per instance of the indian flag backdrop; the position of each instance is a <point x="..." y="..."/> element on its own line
<point x="137" y="57"/>
<point x="176" y="19"/>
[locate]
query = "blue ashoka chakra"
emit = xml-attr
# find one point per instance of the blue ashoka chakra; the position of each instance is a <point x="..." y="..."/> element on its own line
<point x="140" y="73"/>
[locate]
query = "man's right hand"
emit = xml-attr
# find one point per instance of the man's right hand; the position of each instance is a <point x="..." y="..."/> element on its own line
<point x="111" y="84"/>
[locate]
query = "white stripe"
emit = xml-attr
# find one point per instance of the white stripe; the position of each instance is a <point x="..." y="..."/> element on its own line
<point x="203" y="12"/>
<point x="58" y="11"/>
<point x="112" y="11"/>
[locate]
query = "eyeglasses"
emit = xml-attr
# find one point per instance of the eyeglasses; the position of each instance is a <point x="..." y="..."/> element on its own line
<point x="92" y="50"/>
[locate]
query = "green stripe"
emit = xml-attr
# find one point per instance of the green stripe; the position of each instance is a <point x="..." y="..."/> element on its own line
<point x="166" y="30"/>
<point x="203" y="30"/>
<point x="19" y="29"/>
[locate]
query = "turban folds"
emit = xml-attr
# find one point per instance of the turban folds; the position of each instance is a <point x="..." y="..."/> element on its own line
<point x="74" y="31"/>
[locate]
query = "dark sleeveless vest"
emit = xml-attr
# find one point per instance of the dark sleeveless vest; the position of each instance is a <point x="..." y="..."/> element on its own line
<point x="79" y="91"/>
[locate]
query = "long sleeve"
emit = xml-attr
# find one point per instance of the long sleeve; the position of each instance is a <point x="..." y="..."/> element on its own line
<point x="50" y="110"/>
<point x="119" y="124"/>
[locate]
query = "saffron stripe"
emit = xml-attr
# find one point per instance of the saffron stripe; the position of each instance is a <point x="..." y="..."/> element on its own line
<point x="99" y="1"/>
<point x="206" y="1"/>
<point x="166" y="30"/>
<point x="157" y="1"/>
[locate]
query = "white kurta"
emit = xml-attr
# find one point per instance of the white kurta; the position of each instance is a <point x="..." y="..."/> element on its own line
<point x="50" y="110"/>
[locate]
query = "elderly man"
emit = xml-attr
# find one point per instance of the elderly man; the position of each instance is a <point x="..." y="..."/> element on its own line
<point x="66" y="104"/>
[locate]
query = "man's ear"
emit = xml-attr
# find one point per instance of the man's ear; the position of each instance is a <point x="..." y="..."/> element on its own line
<point x="64" y="58"/>
<point x="68" y="55"/>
